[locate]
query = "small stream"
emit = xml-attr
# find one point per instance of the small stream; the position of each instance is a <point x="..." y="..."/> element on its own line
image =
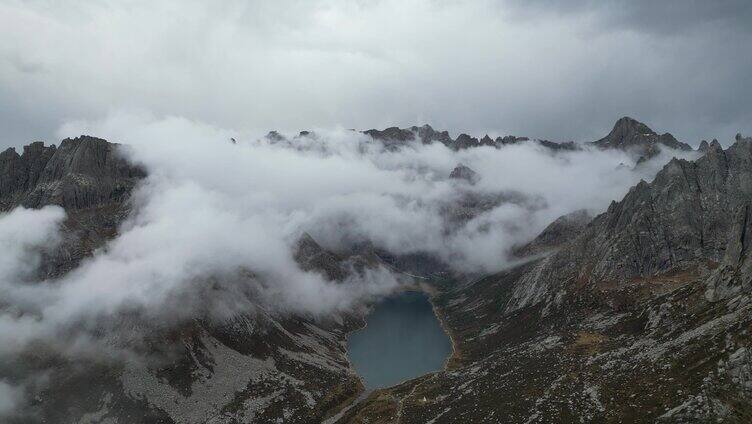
<point x="402" y="340"/>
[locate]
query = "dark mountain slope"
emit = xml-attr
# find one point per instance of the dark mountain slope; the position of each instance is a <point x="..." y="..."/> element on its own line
<point x="642" y="317"/>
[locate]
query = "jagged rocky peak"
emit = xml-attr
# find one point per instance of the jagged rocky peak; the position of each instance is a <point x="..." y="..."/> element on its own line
<point x="627" y="132"/>
<point x="693" y="201"/>
<point x="463" y="172"/>
<point x="19" y="172"/>
<point x="567" y="145"/>
<point x="394" y="138"/>
<point x="630" y="134"/>
<point x="84" y="171"/>
<point x="428" y="135"/>
<point x="510" y="139"/>
<point x="713" y="146"/>
<point x="391" y="134"/>
<point x="465" y="141"/>
<point x="89" y="156"/>
<point x="626" y="127"/>
<point x="716" y="146"/>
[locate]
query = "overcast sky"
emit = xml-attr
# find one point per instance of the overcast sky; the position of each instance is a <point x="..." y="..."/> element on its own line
<point x="547" y="69"/>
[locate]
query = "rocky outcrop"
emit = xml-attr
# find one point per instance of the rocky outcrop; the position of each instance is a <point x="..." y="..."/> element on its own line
<point x="428" y="135"/>
<point x="634" y="136"/>
<point x="487" y="141"/>
<point x="464" y="141"/>
<point x="19" y="173"/>
<point x="734" y="275"/>
<point x="392" y="138"/>
<point x="683" y="215"/>
<point x="83" y="172"/>
<point x="568" y="145"/>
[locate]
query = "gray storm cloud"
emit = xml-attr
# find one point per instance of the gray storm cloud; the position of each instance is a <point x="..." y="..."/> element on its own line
<point x="546" y="69"/>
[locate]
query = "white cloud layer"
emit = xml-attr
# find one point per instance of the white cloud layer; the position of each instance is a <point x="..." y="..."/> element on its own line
<point x="212" y="213"/>
<point x="211" y="208"/>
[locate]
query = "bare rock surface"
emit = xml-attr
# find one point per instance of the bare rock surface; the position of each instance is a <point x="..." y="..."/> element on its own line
<point x="83" y="172"/>
<point x="562" y="230"/>
<point x="632" y="135"/>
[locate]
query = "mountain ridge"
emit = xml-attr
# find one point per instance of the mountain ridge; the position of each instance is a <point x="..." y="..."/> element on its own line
<point x="627" y="134"/>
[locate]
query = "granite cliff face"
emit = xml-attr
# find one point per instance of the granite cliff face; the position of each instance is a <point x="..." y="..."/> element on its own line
<point x="680" y="219"/>
<point x="83" y="172"/>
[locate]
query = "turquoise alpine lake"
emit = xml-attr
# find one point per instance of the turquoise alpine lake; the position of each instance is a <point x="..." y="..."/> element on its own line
<point x="402" y="340"/>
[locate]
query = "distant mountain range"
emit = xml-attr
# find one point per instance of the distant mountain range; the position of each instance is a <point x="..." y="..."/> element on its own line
<point x="627" y="134"/>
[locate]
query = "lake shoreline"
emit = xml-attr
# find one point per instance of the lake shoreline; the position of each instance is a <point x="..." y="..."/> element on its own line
<point x="425" y="288"/>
